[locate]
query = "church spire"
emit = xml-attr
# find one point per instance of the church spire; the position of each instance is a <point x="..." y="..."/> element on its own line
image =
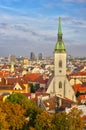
<point x="59" y="27"/>
<point x="60" y="47"/>
<point x="59" y="30"/>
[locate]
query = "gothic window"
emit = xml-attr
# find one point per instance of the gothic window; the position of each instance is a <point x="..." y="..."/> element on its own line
<point x="60" y="64"/>
<point x="60" y="84"/>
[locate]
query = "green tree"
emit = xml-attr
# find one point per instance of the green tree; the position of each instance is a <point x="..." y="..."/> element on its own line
<point x="31" y="108"/>
<point x="70" y="121"/>
<point x="44" y="121"/>
<point x="33" y="88"/>
<point x="77" y="94"/>
<point x="75" y="121"/>
<point x="19" y="98"/>
<point x="60" y="121"/>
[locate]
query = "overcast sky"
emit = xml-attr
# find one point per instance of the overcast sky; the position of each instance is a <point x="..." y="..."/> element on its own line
<point x="31" y="26"/>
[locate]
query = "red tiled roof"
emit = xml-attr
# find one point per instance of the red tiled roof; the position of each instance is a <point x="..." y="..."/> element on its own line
<point x="83" y="73"/>
<point x="50" y="103"/>
<point x="4" y="73"/>
<point x="83" y="97"/>
<point x="10" y="87"/>
<point x="15" y="80"/>
<point x="79" y="87"/>
<point x="69" y="100"/>
<point x="36" y="94"/>
<point x="84" y="117"/>
<point x="40" y="89"/>
<point x="6" y="87"/>
<point x="35" y="77"/>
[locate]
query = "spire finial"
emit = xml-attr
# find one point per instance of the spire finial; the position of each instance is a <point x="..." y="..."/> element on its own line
<point x="59" y="30"/>
<point x="59" y="27"/>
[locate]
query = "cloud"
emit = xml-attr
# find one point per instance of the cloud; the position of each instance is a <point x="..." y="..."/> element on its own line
<point x="21" y="38"/>
<point x="8" y="8"/>
<point x="74" y="21"/>
<point x="23" y="34"/>
<point x="53" y="4"/>
<point x="76" y="48"/>
<point x="12" y="9"/>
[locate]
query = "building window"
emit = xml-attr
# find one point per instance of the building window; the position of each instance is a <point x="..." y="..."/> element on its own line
<point x="60" y="84"/>
<point x="60" y="64"/>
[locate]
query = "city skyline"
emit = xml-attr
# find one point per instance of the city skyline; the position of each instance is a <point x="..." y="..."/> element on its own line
<point x="32" y="26"/>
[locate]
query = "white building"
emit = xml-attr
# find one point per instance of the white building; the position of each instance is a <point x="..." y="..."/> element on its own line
<point x="60" y="84"/>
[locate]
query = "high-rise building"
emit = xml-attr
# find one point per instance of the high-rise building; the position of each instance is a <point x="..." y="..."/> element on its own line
<point x="40" y="56"/>
<point x="12" y="58"/>
<point x="32" y="56"/>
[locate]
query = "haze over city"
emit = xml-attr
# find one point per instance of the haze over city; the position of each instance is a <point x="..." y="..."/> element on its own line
<point x="32" y="26"/>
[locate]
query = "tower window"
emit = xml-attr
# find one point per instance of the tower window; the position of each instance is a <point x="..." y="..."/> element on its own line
<point x="60" y="64"/>
<point x="60" y="84"/>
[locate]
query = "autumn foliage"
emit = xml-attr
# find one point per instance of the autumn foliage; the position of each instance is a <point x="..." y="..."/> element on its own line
<point x="19" y="113"/>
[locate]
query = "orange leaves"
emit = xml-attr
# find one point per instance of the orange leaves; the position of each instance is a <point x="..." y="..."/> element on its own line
<point x="3" y="122"/>
<point x="13" y="114"/>
<point x="44" y="121"/>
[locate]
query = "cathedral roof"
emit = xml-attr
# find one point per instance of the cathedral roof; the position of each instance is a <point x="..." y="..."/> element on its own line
<point x="60" y="47"/>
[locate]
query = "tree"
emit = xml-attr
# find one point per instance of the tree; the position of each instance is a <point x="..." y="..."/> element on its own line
<point x="44" y="121"/>
<point x="3" y="123"/>
<point x="14" y="115"/>
<point x="31" y="128"/>
<point x="68" y="121"/>
<point x="19" y="98"/>
<point x="31" y="108"/>
<point x="75" y="121"/>
<point x="77" y="94"/>
<point x="33" y="88"/>
<point x="60" y="121"/>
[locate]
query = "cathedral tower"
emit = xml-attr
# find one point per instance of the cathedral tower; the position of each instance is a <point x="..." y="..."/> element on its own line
<point x="60" y="85"/>
<point x="60" y="64"/>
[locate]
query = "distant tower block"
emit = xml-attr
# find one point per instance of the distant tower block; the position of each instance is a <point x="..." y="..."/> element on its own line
<point x="12" y="58"/>
<point x="40" y="56"/>
<point x="32" y="56"/>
